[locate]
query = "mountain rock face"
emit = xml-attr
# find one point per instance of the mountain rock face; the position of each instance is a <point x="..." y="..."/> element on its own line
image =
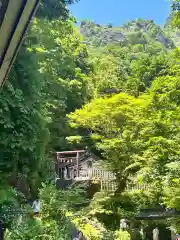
<point x="97" y="34"/>
<point x="128" y="58"/>
<point x="135" y="32"/>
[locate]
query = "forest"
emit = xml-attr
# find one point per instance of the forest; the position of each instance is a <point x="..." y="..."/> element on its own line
<point x="112" y="90"/>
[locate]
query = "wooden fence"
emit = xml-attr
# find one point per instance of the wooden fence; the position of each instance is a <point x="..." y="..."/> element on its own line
<point x="108" y="180"/>
<point x="112" y="186"/>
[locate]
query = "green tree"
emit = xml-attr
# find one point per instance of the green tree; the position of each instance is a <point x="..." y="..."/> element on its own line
<point x="175" y="15"/>
<point x="53" y="222"/>
<point x="47" y="81"/>
<point x="54" y="9"/>
<point x="115" y="124"/>
<point x="65" y="69"/>
<point x="136" y="135"/>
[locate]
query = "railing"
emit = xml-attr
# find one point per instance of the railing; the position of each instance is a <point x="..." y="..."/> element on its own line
<point x="101" y="174"/>
<point x="109" y="186"/>
<point x="107" y="180"/>
<point x="95" y="173"/>
<point x="112" y="186"/>
<point x="136" y="186"/>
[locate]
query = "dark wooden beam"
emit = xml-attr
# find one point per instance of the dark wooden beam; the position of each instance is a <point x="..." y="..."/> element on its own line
<point x="16" y="17"/>
<point x="78" y="164"/>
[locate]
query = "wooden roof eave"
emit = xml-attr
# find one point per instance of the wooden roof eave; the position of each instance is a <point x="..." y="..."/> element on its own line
<point x="16" y="16"/>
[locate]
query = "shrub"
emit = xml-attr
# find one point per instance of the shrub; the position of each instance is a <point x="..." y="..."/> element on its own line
<point x="122" y="235"/>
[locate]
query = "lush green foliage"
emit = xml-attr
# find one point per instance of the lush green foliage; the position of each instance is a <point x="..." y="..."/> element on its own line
<point x="133" y="120"/>
<point x="122" y="235"/>
<point x="54" y="9"/>
<point x="136" y="133"/>
<point x="175" y="15"/>
<point x="52" y="223"/>
<point x="47" y="81"/>
<point x="113" y="90"/>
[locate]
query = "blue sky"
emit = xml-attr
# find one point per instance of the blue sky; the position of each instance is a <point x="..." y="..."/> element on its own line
<point x="118" y="12"/>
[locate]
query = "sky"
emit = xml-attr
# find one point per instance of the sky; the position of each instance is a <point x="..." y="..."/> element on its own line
<point x="119" y="12"/>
